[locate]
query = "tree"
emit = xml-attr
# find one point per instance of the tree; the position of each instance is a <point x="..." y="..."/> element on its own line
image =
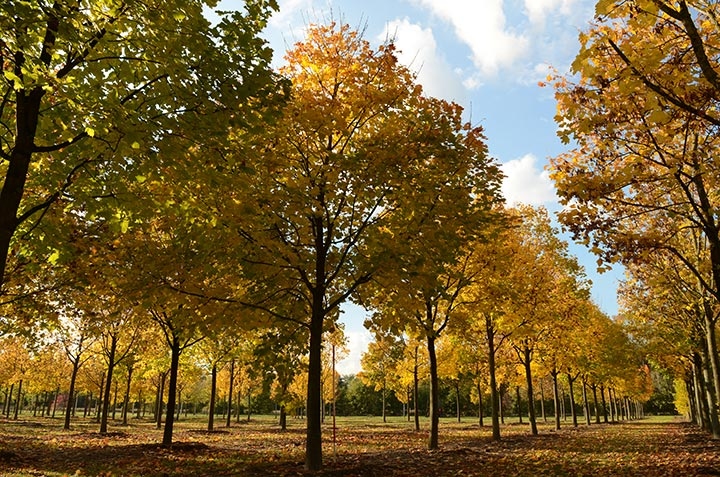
<point x="640" y="183"/>
<point x="379" y="363"/>
<point x="86" y="87"/>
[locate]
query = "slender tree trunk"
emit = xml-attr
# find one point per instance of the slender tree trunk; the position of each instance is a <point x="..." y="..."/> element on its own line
<point x="98" y="404"/>
<point x="213" y="389"/>
<point x="108" y="384"/>
<point x="494" y="395"/>
<point x="283" y="418"/>
<point x="9" y="401"/>
<point x="595" y="403"/>
<point x="18" y="400"/>
<point x="126" y="400"/>
<point x="556" y="398"/>
<point x="230" y="392"/>
<point x="480" y="405"/>
<point x="416" y="385"/>
<point x="172" y="392"/>
<point x="519" y="402"/>
<point x="527" y="355"/>
<point x="571" y="380"/>
<point x="457" y="400"/>
<point x="55" y="401"/>
<point x="604" y="404"/>
<point x="179" y="405"/>
<point x="71" y="391"/>
<point x="384" y="415"/>
<point x="88" y="398"/>
<point x="433" y="440"/>
<point x="114" y="404"/>
<point x="700" y="393"/>
<point x="542" y="401"/>
<point x="586" y="404"/>
<point x="161" y="393"/>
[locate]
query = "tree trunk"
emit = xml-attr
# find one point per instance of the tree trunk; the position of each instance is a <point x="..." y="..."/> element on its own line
<point x="384" y="415"/>
<point x="542" y="401"/>
<point x="161" y="393"/>
<point x="416" y="385"/>
<point x="71" y="391"/>
<point x="494" y="396"/>
<point x="9" y="401"/>
<point x="711" y="396"/>
<point x="556" y="398"/>
<point x="518" y="403"/>
<point x="595" y="403"/>
<point x="480" y="405"/>
<point x="433" y="440"/>
<point x="19" y="399"/>
<point x="172" y="392"/>
<point x="457" y="400"/>
<point x="571" y="380"/>
<point x="586" y="403"/>
<point x="604" y="404"/>
<point x="114" y="405"/>
<point x="213" y="394"/>
<point x="230" y="392"/>
<point x="98" y="411"/>
<point x="313" y="445"/>
<point x="126" y="400"/>
<point x="108" y="384"/>
<point x="527" y="354"/>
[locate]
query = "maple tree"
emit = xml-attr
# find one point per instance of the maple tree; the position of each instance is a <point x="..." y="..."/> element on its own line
<point x="640" y="184"/>
<point x="87" y="86"/>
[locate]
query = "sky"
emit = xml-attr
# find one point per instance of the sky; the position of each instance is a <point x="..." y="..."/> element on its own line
<point x="486" y="55"/>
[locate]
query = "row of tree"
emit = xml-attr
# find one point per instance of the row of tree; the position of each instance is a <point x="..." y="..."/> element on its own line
<point x="641" y="187"/>
<point x="164" y="186"/>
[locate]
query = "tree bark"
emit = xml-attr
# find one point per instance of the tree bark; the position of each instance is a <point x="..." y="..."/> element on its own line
<point x="586" y="403"/>
<point x="527" y="355"/>
<point x="571" y="380"/>
<point x="126" y="400"/>
<point x="595" y="403"/>
<point x="172" y="392"/>
<point x="230" y="392"/>
<point x="416" y="385"/>
<point x="18" y="400"/>
<point x="433" y="440"/>
<point x="556" y="398"/>
<point x="604" y="404"/>
<point x="108" y="384"/>
<point x="494" y="396"/>
<point x="71" y="391"/>
<point x="213" y="394"/>
<point x="313" y="446"/>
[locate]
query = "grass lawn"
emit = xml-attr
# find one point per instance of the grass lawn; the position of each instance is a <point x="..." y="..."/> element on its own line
<point x="364" y="447"/>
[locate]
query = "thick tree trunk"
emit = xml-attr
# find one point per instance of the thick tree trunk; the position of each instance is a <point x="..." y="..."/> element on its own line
<point x="71" y="391"/>
<point x="494" y="396"/>
<point x="108" y="384"/>
<point x="213" y="395"/>
<point x="313" y="445"/>
<point x="556" y="398"/>
<point x="527" y="355"/>
<point x="433" y="440"/>
<point x="711" y="396"/>
<point x="714" y="368"/>
<point x="172" y="392"/>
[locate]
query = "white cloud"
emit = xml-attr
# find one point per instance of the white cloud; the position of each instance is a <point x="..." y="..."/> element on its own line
<point x="539" y="10"/>
<point x="417" y="50"/>
<point x="526" y="183"/>
<point x="482" y="25"/>
<point x="357" y="343"/>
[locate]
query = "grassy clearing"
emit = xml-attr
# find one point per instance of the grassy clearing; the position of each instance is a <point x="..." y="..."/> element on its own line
<point x="363" y="447"/>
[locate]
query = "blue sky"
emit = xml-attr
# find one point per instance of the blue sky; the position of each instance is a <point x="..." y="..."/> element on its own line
<point x="486" y="55"/>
